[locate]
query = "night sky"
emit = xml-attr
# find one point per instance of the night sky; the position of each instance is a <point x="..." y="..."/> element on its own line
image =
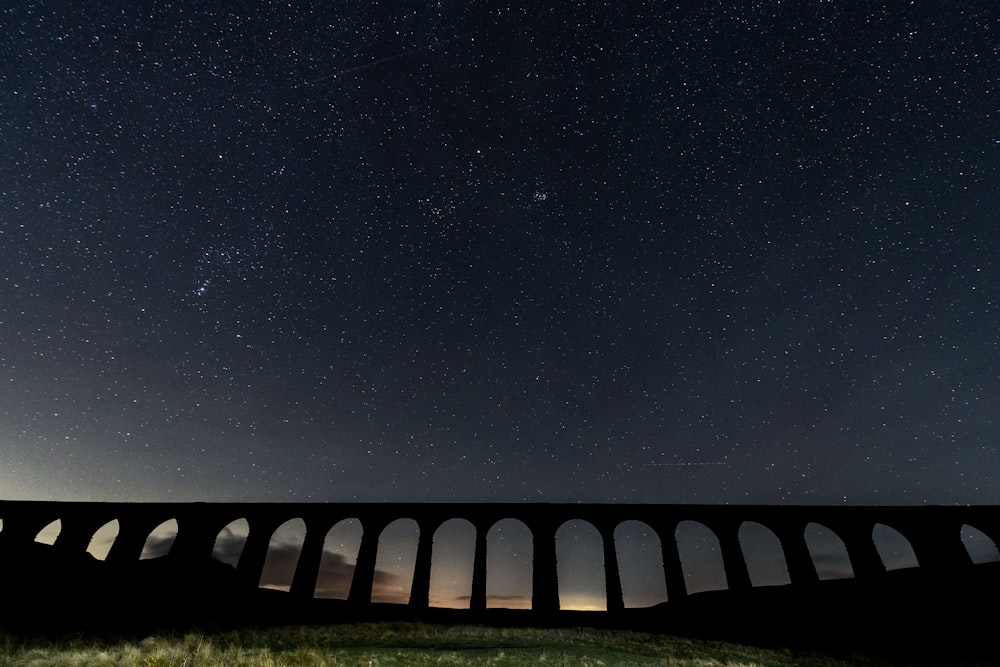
<point x="694" y="252"/>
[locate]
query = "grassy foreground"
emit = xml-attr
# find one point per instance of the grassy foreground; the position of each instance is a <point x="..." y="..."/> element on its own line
<point x="392" y="644"/>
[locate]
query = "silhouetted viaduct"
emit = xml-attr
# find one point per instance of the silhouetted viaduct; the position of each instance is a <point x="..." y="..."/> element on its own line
<point x="934" y="533"/>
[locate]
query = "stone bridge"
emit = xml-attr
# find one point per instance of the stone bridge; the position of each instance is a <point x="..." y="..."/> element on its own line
<point x="933" y="532"/>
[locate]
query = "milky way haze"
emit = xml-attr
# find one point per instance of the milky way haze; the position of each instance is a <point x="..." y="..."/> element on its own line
<point x="688" y="252"/>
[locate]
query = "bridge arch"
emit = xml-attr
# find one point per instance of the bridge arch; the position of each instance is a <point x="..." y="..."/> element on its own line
<point x="893" y="548"/>
<point x="49" y="534"/>
<point x="160" y="540"/>
<point x="828" y="551"/>
<point x="580" y="566"/>
<point x="103" y="540"/>
<point x="452" y="566"/>
<point x="701" y="557"/>
<point x="339" y="560"/>
<point x="230" y="541"/>
<point x="640" y="564"/>
<point x="396" y="561"/>
<point x="509" y="557"/>
<point x="763" y="554"/>
<point x="980" y="546"/>
<point x="283" y="552"/>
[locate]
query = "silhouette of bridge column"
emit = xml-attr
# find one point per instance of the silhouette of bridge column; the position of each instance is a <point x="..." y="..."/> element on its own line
<point x="21" y="528"/>
<point x="307" y="570"/>
<point x="196" y="535"/>
<point x="364" y="570"/>
<point x="544" y="570"/>
<point x="798" y="560"/>
<point x="133" y="530"/>
<point x="858" y="536"/>
<point x="733" y="562"/>
<point x="478" y="599"/>
<point x="75" y="534"/>
<point x="936" y="541"/>
<point x="673" y="571"/>
<point x="612" y="576"/>
<point x="251" y="563"/>
<point x="421" y="587"/>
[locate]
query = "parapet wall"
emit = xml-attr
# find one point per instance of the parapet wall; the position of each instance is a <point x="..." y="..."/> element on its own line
<point x="934" y="533"/>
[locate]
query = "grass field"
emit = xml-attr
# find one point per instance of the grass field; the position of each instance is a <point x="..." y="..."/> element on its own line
<point x="399" y="644"/>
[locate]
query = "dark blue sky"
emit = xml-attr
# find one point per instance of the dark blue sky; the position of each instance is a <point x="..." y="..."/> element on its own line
<point x="477" y="251"/>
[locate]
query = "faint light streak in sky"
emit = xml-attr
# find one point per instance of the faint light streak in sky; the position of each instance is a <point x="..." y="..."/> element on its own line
<point x="373" y="63"/>
<point x="681" y="464"/>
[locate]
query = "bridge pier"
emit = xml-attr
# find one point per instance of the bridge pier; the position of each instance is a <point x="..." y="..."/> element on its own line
<point x="364" y="569"/>
<point x="251" y="563"/>
<point x="612" y="575"/>
<point x="735" y="565"/>
<point x="421" y="586"/>
<point x="478" y="599"/>
<point x="798" y="561"/>
<point x="861" y="550"/>
<point x="545" y="570"/>
<point x="307" y="570"/>
<point x="673" y="571"/>
<point x="132" y="535"/>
